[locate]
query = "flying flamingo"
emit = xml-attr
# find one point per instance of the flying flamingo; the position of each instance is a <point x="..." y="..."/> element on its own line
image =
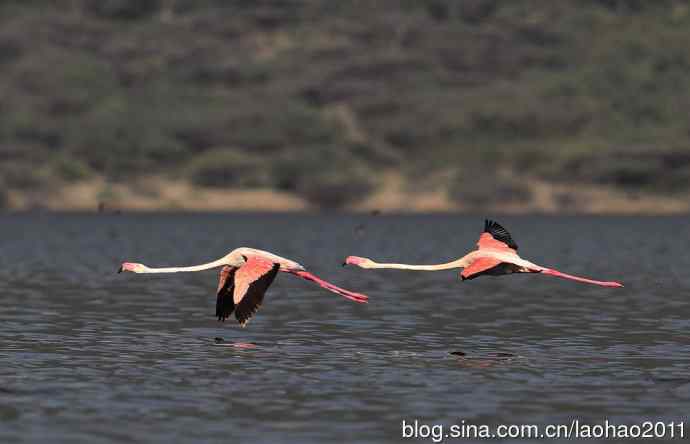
<point x="496" y="255"/>
<point x="245" y="276"/>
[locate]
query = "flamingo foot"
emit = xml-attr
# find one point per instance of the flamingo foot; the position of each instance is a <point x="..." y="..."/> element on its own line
<point x="351" y="295"/>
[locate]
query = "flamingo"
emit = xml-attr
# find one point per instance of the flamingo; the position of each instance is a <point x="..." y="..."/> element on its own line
<point x="245" y="276"/>
<point x="496" y="255"/>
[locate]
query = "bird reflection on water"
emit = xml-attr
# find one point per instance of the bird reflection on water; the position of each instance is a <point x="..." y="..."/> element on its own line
<point x="89" y="355"/>
<point x="240" y="345"/>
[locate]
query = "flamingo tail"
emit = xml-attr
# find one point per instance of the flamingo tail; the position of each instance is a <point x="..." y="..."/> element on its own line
<point x="357" y="297"/>
<point x="557" y="273"/>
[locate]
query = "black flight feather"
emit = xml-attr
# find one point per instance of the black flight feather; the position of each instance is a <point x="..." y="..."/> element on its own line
<point x="499" y="233"/>
<point x="226" y="287"/>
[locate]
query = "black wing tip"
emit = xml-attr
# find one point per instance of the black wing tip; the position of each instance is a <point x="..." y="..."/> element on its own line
<point x="499" y="233"/>
<point x="224" y="314"/>
<point x="225" y="304"/>
<point x="224" y="307"/>
<point x="490" y="224"/>
<point x="243" y="315"/>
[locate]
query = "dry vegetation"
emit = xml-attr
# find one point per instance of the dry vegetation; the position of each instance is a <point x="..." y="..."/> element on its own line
<point x="476" y="99"/>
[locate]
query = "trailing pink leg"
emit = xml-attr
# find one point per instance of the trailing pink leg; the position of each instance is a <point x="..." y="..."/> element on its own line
<point x="556" y="273"/>
<point x="357" y="297"/>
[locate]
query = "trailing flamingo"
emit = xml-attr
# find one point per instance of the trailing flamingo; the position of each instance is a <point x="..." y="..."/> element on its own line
<point x="245" y="276"/>
<point x="496" y="255"/>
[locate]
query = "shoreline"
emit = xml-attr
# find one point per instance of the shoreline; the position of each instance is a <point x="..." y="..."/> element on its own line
<point x="394" y="196"/>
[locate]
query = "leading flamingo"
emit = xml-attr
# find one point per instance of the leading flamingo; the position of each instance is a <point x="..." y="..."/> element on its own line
<point x="496" y="255"/>
<point x="245" y="276"/>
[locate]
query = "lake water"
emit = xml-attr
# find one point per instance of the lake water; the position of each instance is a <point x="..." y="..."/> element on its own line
<point x="87" y="355"/>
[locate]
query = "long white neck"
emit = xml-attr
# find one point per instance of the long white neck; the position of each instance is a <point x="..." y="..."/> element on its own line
<point x="447" y="266"/>
<point x="208" y="266"/>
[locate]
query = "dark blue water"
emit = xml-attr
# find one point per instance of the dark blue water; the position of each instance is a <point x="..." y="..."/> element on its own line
<point x="87" y="355"/>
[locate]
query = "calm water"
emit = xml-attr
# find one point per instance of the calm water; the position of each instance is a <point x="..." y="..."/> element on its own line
<point x="87" y="355"/>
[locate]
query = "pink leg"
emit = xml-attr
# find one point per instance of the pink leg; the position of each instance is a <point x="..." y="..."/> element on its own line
<point x="556" y="273"/>
<point x="357" y="297"/>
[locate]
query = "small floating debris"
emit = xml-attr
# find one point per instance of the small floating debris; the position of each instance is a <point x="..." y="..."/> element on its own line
<point x="489" y="355"/>
<point x="487" y="360"/>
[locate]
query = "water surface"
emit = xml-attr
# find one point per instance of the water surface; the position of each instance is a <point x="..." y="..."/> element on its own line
<point x="87" y="355"/>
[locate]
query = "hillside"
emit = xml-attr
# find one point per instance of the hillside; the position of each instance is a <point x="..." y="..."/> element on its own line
<point x="575" y="105"/>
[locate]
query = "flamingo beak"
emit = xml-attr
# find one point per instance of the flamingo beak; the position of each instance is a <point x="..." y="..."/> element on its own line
<point x="354" y="260"/>
<point x="126" y="266"/>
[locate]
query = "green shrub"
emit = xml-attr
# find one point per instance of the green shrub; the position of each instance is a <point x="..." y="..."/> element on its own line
<point x="286" y="123"/>
<point x="123" y="138"/>
<point x="661" y="171"/>
<point x="126" y="88"/>
<point x="325" y="177"/>
<point x="334" y="188"/>
<point x="228" y="167"/>
<point x="63" y="80"/>
<point x="122" y="9"/>
<point x="22" y="176"/>
<point x="480" y="187"/>
<point x="70" y="169"/>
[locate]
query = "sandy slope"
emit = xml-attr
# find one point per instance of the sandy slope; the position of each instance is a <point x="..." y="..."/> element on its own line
<point x="159" y="194"/>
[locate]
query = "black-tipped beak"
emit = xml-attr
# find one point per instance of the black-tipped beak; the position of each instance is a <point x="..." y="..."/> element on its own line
<point x="344" y="264"/>
<point x="120" y="270"/>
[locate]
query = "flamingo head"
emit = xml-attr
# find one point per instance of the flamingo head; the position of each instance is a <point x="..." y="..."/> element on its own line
<point x="362" y="262"/>
<point x="132" y="266"/>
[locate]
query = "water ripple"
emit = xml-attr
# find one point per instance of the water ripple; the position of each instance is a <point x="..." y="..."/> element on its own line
<point x="92" y="356"/>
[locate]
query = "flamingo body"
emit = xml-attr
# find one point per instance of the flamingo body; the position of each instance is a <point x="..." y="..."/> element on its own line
<point x="496" y="255"/>
<point x="245" y="275"/>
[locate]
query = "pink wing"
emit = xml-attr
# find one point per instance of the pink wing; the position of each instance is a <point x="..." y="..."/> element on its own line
<point x="496" y="237"/>
<point x="479" y="266"/>
<point x="251" y="282"/>
<point x="487" y="241"/>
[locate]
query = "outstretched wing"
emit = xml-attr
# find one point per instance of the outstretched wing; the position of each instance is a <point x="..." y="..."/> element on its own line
<point x="226" y="286"/>
<point x="251" y="282"/>
<point x="479" y="267"/>
<point x="496" y="237"/>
